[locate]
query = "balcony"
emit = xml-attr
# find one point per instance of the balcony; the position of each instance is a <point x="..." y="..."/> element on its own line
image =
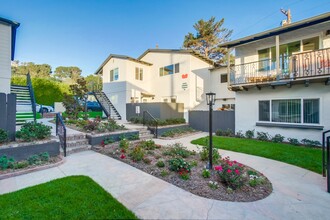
<point x="305" y="67"/>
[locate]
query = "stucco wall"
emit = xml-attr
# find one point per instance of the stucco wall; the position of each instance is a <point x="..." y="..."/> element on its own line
<point x="5" y="53"/>
<point x="249" y="52"/>
<point x="247" y="109"/>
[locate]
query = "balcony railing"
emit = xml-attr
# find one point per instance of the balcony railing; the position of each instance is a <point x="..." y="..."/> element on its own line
<point x="300" y="65"/>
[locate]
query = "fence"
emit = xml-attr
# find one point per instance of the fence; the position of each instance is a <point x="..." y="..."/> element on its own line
<point x="159" y="110"/>
<point x="8" y="114"/>
<point x="223" y="120"/>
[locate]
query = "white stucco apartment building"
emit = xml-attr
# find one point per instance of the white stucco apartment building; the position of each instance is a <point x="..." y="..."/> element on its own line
<point x="7" y="49"/>
<point x="281" y="79"/>
<point x="162" y="75"/>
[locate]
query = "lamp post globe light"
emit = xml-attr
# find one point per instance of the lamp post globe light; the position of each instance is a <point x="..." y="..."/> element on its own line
<point x="210" y="101"/>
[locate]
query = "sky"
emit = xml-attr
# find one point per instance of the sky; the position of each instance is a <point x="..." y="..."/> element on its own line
<point x="83" y="33"/>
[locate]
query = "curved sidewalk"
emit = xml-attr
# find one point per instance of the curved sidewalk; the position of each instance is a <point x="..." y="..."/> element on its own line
<point x="298" y="193"/>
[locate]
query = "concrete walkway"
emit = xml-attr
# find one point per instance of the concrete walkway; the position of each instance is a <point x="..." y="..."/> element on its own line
<point x="298" y="193"/>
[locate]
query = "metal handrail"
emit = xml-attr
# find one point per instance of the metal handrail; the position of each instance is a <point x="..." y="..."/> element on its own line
<point x="323" y="152"/>
<point x="33" y="100"/>
<point x="153" y="119"/>
<point x="61" y="132"/>
<point x="328" y="164"/>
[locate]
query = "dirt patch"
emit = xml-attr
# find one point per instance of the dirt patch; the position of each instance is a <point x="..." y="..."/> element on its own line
<point x="196" y="184"/>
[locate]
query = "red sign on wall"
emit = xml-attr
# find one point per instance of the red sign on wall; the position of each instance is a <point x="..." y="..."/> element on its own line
<point x="185" y="76"/>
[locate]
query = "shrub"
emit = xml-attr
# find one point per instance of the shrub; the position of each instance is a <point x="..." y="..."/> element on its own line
<point x="310" y="143"/>
<point x="33" y="131"/>
<point x="255" y="179"/>
<point x="293" y="141"/>
<point x="231" y="173"/>
<point x="213" y="185"/>
<point x="184" y="174"/>
<point x="34" y="159"/>
<point x="44" y="156"/>
<point x="136" y="120"/>
<point x="177" y="164"/>
<point x="3" y="136"/>
<point x="6" y="162"/>
<point x="239" y="134"/>
<point x="177" y="131"/>
<point x="21" y="164"/>
<point x="124" y="144"/>
<point x="178" y="149"/>
<point x="147" y="160"/>
<point x="91" y="125"/>
<point x="160" y="163"/>
<point x="278" y="138"/>
<point x="204" y="154"/>
<point x="164" y="173"/>
<point x="148" y="144"/>
<point x="249" y="134"/>
<point x="137" y="153"/>
<point x="193" y="163"/>
<point x="263" y="136"/>
<point x="108" y="140"/>
<point x="228" y="132"/>
<point x="206" y="173"/>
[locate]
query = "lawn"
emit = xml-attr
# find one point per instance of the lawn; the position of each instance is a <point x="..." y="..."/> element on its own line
<point x="74" y="197"/>
<point x="308" y="158"/>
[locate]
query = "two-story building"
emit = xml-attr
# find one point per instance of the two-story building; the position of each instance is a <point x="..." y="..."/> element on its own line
<point x="7" y="49"/>
<point x="163" y="75"/>
<point x="282" y="79"/>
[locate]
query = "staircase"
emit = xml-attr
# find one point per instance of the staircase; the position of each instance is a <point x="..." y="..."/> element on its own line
<point x="145" y="134"/>
<point x="107" y="106"/>
<point x="76" y="143"/>
<point x="24" y="110"/>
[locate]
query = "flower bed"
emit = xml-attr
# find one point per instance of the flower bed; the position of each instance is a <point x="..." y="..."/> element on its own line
<point x="95" y="126"/>
<point x="229" y="181"/>
<point x="175" y="131"/>
<point x="10" y="167"/>
<point x="97" y="139"/>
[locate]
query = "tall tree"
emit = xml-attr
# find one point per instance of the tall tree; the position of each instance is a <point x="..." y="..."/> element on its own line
<point x="67" y="72"/>
<point x="35" y="70"/>
<point x="93" y="82"/>
<point x="209" y="34"/>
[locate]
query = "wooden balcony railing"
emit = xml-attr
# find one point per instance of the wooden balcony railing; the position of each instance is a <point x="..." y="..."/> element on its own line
<point x="300" y="65"/>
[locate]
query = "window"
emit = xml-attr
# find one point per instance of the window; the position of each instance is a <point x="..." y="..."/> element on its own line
<point x="114" y="75"/>
<point x="223" y="78"/>
<point x="138" y="73"/>
<point x="296" y="111"/>
<point x="177" y="68"/>
<point x="264" y="110"/>
<point x="311" y="44"/>
<point x="169" y="70"/>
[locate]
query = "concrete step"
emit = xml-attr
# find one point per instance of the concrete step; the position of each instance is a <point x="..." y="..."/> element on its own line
<point x="76" y="143"/>
<point x="73" y="150"/>
<point x="75" y="137"/>
<point x="146" y="137"/>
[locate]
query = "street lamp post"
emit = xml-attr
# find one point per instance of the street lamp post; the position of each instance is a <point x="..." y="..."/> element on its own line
<point x="210" y="100"/>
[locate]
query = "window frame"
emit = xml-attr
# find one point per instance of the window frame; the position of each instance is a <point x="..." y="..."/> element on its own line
<point x="226" y="75"/>
<point x="114" y="74"/>
<point x="301" y="111"/>
<point x="175" y="69"/>
<point x="139" y="73"/>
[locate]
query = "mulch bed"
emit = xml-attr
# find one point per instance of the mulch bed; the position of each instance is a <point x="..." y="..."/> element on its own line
<point x="197" y="184"/>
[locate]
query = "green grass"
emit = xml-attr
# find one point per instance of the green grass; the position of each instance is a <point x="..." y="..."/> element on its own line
<point x="74" y="197"/>
<point x="308" y="158"/>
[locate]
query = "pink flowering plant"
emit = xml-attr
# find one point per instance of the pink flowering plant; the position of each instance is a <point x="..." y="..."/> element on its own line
<point x="230" y="173"/>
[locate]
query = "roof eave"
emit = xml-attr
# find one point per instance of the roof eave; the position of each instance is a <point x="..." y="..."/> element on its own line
<point x="279" y="30"/>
